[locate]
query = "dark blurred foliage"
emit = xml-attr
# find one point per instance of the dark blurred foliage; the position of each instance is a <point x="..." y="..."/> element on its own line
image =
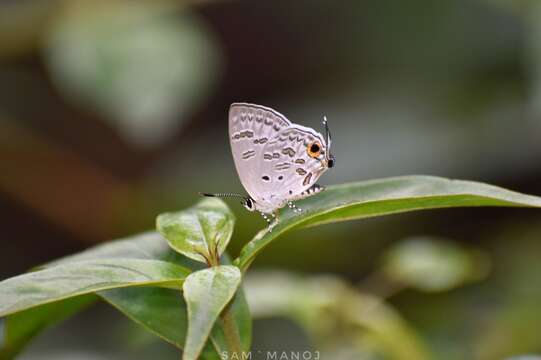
<point x="114" y="111"/>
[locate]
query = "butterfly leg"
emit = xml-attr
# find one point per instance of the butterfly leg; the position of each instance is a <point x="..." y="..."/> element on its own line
<point x="294" y="207"/>
<point x="270" y="223"/>
<point x="265" y="217"/>
<point x="276" y="215"/>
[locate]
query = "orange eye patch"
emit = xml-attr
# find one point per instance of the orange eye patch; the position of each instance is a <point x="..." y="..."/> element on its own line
<point x="314" y="149"/>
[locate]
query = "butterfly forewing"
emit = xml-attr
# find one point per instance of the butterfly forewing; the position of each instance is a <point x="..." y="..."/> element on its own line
<point x="250" y="128"/>
<point x="271" y="154"/>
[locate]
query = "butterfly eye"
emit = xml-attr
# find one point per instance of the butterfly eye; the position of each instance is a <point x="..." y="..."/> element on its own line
<point x="248" y="204"/>
<point x="314" y="149"/>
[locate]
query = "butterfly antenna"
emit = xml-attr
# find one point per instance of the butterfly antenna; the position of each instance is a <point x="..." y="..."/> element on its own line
<point x="327" y="131"/>
<point x="223" y="195"/>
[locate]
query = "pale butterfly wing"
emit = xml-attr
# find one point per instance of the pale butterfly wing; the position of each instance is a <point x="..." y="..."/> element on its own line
<point x="271" y="155"/>
<point x="286" y="177"/>
<point x="250" y="128"/>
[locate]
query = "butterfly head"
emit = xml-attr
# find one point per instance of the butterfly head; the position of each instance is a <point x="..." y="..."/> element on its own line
<point x="331" y="161"/>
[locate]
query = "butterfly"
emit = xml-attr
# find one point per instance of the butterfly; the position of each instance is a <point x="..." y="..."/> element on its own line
<point x="277" y="161"/>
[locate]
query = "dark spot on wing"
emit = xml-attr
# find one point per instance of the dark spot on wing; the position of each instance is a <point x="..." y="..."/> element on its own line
<point x="307" y="179"/>
<point x="261" y="140"/>
<point x="289" y="151"/>
<point x="282" y="166"/>
<point x="248" y="154"/>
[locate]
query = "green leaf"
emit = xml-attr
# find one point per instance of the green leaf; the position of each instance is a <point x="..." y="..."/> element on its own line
<point x="201" y="232"/>
<point x="68" y="280"/>
<point x="36" y="300"/>
<point x="159" y="310"/>
<point x="207" y="292"/>
<point x="21" y="327"/>
<point x="433" y="264"/>
<point x="164" y="313"/>
<point x="381" y="197"/>
<point x="149" y="245"/>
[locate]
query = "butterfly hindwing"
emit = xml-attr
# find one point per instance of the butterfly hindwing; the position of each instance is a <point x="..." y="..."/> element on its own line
<point x="293" y="170"/>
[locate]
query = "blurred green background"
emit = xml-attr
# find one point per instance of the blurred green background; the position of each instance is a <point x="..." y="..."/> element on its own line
<point x="114" y="111"/>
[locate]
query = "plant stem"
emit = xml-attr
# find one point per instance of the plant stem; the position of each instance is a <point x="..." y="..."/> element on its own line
<point x="231" y="332"/>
